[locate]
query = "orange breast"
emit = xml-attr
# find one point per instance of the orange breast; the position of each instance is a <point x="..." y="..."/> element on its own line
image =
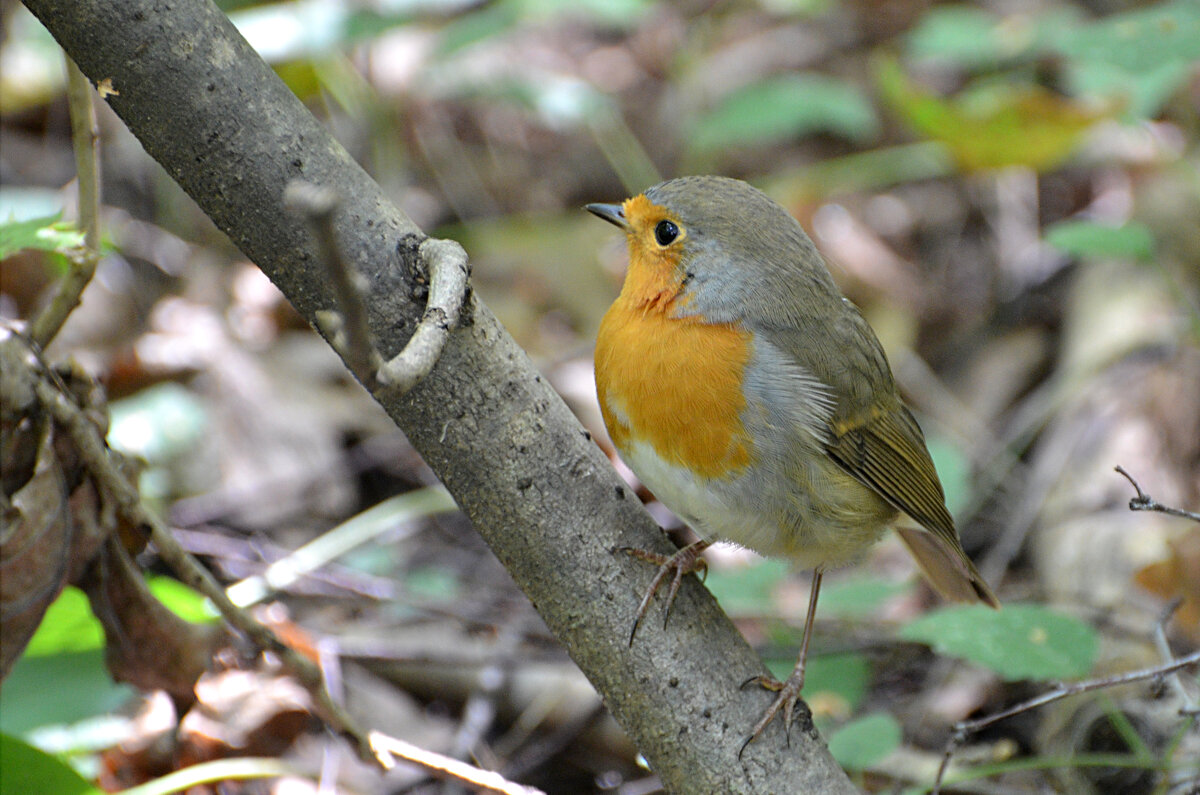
<point x="674" y="383"/>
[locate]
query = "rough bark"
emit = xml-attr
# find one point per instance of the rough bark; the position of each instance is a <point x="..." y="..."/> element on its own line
<point x="207" y="108"/>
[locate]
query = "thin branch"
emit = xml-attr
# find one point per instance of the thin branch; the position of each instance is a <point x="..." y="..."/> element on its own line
<point x="85" y="140"/>
<point x="351" y="337"/>
<point x="1144" y="502"/>
<point x="444" y="766"/>
<point x="963" y="729"/>
<point x="128" y="502"/>
<point x="448" y="268"/>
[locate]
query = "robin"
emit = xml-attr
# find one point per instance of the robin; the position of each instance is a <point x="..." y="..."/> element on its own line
<point x="756" y="403"/>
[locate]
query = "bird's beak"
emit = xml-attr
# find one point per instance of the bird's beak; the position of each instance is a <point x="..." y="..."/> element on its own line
<point x="613" y="213"/>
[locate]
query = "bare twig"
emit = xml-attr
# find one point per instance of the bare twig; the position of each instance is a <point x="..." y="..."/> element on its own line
<point x="448" y="269"/>
<point x="963" y="729"/>
<point x="444" y="766"/>
<point x="352" y="339"/>
<point x="444" y="260"/>
<point x="1144" y="502"/>
<point x="85" y="137"/>
<point x="109" y="477"/>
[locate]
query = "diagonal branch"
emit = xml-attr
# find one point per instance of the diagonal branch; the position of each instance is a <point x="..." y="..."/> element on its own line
<point x="542" y="495"/>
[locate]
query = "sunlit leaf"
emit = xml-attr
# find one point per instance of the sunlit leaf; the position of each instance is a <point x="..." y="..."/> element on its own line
<point x="1090" y="239"/>
<point x="67" y="626"/>
<point x="1017" y="641"/>
<point x="995" y="127"/>
<point x="865" y="741"/>
<point x="182" y="600"/>
<point x="31" y="771"/>
<point x="48" y="233"/>
<point x="782" y="108"/>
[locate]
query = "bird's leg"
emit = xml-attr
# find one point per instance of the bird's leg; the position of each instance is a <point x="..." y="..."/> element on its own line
<point x="682" y="563"/>
<point x="789" y="691"/>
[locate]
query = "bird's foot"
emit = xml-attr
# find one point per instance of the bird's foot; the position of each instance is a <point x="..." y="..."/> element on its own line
<point x="677" y="566"/>
<point x="788" y="696"/>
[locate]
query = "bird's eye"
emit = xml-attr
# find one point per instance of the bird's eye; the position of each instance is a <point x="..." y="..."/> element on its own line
<point x="665" y="233"/>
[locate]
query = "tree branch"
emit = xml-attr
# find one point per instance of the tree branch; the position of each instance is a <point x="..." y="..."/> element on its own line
<point x="85" y="138"/>
<point x="543" y="496"/>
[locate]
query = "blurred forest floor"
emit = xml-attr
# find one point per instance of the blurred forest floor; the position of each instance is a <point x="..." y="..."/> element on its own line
<point x="1009" y="190"/>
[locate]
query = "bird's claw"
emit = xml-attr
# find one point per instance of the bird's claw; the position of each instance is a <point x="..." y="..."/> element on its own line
<point x="679" y="565"/>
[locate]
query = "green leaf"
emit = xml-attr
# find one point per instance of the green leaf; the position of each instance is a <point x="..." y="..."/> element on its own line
<point x="1090" y="239"/>
<point x="1143" y="57"/>
<point x="858" y="596"/>
<point x="843" y="678"/>
<point x="433" y="584"/>
<point x="31" y="771"/>
<point x="843" y="675"/>
<point x="782" y="108"/>
<point x="48" y="233"/>
<point x="157" y="423"/>
<point x="1017" y="641"/>
<point x="747" y="590"/>
<point x="954" y="470"/>
<point x="865" y="741"/>
<point x="492" y="20"/>
<point x="991" y="125"/>
<point x="1138" y="41"/>
<point x="182" y="600"/>
<point x="58" y="688"/>
<point x="961" y="34"/>
<point x="68" y="626"/>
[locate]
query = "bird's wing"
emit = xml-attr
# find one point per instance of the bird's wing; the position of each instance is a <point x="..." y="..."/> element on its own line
<point x="875" y="438"/>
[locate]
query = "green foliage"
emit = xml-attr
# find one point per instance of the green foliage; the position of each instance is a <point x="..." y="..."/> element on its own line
<point x="1017" y="642"/>
<point x="157" y="423"/>
<point x="858" y="597"/>
<point x="58" y="688"/>
<point x="1143" y="56"/>
<point x="782" y="108"/>
<point x="182" y="600"/>
<point x="1090" y="239"/>
<point x="954" y="470"/>
<point x="865" y="741"/>
<point x="747" y="590"/>
<point x="47" y="233"/>
<point x="845" y="676"/>
<point x="432" y="584"/>
<point x="30" y="771"/>
<point x="68" y="626"/>
<point x="964" y="35"/>
<point x="993" y="125"/>
<point x="496" y="18"/>
<point x="1136" y="60"/>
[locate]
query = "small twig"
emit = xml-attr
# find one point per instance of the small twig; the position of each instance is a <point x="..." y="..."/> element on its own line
<point x="448" y="269"/>
<point x="85" y="140"/>
<point x="444" y="766"/>
<point x="963" y="729"/>
<point x="318" y="205"/>
<point x="1164" y="650"/>
<point x="128" y="502"/>
<point x="1144" y="502"/>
